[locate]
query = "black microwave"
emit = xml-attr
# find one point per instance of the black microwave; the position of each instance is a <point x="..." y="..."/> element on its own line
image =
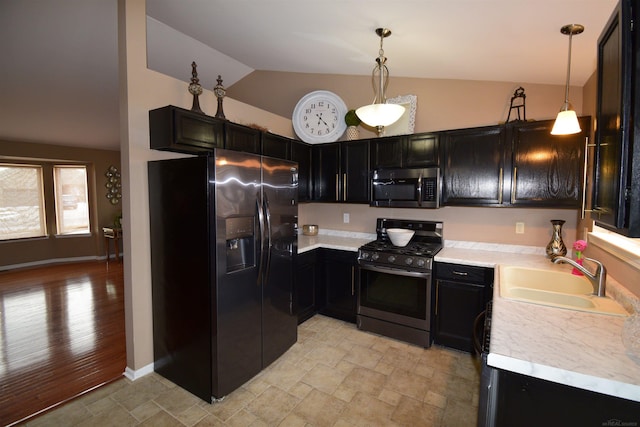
<point x="406" y="188"/>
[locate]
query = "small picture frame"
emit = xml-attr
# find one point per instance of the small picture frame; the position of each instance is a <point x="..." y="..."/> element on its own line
<point x="406" y="124"/>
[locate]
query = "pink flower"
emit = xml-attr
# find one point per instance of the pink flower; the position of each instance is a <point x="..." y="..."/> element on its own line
<point x="580" y="245"/>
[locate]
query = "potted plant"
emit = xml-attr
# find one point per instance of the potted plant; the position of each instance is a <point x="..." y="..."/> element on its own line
<point x="353" y="121"/>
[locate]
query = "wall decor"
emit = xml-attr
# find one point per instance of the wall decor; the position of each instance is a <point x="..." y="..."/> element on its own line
<point x="220" y="92"/>
<point x="113" y="184"/>
<point x="407" y="122"/>
<point x="195" y="88"/>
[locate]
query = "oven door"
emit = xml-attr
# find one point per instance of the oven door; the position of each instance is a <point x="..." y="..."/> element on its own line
<point x="395" y="295"/>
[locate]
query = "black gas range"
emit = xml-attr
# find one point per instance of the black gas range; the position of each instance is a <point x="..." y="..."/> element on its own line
<point x="395" y="282"/>
<point x="416" y="256"/>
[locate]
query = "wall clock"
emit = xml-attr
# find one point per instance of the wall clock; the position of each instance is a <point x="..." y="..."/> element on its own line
<point x="319" y="117"/>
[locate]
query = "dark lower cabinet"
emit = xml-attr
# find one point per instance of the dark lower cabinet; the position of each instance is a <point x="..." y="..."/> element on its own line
<point x="307" y="284"/>
<point x="461" y="293"/>
<point x="532" y="402"/>
<point x="338" y="274"/>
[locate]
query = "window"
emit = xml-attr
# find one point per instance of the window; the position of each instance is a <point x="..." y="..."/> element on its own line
<point x="21" y="202"/>
<point x="72" y="209"/>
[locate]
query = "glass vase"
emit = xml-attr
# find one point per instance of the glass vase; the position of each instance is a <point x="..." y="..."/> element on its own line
<point x="556" y="246"/>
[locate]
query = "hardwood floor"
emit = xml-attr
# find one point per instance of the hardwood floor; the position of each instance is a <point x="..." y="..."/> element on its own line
<point x="61" y="333"/>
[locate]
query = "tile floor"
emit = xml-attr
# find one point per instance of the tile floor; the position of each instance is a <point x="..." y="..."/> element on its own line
<point x="335" y="375"/>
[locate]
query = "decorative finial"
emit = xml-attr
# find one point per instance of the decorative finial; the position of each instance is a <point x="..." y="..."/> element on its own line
<point x="220" y="93"/>
<point x="195" y="89"/>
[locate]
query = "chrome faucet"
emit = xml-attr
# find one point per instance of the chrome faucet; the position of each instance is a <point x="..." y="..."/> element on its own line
<point x="598" y="278"/>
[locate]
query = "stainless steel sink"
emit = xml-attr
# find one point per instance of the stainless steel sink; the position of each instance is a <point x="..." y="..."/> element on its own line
<point x="555" y="289"/>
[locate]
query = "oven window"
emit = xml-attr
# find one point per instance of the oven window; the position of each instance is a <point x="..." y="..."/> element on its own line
<point x="402" y="295"/>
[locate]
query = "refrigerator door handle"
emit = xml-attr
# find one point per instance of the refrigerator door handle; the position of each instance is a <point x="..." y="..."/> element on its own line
<point x="269" y="245"/>
<point x="260" y="237"/>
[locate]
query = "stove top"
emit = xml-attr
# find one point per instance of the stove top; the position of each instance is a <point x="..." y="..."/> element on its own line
<point x="413" y="248"/>
<point x="416" y="256"/>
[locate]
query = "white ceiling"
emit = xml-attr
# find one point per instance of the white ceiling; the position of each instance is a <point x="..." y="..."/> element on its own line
<point x="59" y="82"/>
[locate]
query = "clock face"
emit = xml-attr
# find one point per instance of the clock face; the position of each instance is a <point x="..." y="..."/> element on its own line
<point x="319" y="117"/>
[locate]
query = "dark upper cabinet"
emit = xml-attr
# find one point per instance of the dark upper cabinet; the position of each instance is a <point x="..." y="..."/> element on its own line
<point x="406" y="151"/>
<point x="276" y="146"/>
<point x="326" y="172"/>
<point x="420" y="150"/>
<point x="520" y="164"/>
<point x="356" y="182"/>
<point x="473" y="166"/>
<point x="386" y="152"/>
<point x="301" y="153"/>
<point x="341" y="172"/>
<point x="242" y="138"/>
<point x="547" y="170"/>
<point x="616" y="192"/>
<point x="183" y="131"/>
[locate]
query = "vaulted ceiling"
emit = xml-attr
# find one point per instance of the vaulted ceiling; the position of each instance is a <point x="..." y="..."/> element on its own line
<point x="59" y="69"/>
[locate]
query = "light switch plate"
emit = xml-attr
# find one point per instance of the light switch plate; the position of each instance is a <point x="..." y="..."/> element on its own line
<point x="519" y="227"/>
<point x="345" y="218"/>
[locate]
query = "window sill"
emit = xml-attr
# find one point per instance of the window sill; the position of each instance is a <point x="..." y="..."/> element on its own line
<point x="623" y="248"/>
<point x="68" y="236"/>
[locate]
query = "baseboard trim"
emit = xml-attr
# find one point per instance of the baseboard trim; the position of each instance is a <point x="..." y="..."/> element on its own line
<point x="138" y="373"/>
<point x="51" y="261"/>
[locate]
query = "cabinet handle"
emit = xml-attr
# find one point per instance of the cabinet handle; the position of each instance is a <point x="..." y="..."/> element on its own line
<point x="460" y="273"/>
<point x="584" y="178"/>
<point x="500" y="186"/>
<point x="344" y="187"/>
<point x="437" y="293"/>
<point x="515" y="185"/>
<point x="353" y="281"/>
<point x="337" y="187"/>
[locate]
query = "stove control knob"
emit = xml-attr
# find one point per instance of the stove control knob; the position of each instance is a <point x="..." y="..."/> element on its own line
<point x="408" y="261"/>
<point x="375" y="257"/>
<point x="420" y="263"/>
<point x="391" y="258"/>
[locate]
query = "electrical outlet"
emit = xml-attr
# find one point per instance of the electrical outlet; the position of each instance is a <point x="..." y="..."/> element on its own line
<point x="519" y="227"/>
<point x="345" y="218"/>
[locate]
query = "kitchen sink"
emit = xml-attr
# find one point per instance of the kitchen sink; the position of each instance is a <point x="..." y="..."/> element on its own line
<point x="555" y="289"/>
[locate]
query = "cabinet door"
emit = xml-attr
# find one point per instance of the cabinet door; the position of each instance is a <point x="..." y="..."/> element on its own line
<point x="473" y="166"/>
<point x="306" y="284"/>
<point x="339" y="279"/>
<point x="301" y="153"/>
<point x="183" y="131"/>
<point x="276" y="146"/>
<point x="616" y="199"/>
<point x="326" y="172"/>
<point x="547" y="169"/>
<point x="386" y="153"/>
<point x="420" y="150"/>
<point x="242" y="138"/>
<point x="356" y="182"/>
<point x="457" y="306"/>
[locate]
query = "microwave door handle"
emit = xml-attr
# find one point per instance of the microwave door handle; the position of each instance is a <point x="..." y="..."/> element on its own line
<point x="420" y="190"/>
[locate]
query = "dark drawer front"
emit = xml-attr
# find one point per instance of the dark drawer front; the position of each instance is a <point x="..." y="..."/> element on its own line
<point x="464" y="273"/>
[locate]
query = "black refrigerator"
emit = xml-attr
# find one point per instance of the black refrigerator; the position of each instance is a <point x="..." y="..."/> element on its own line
<point x="223" y="235"/>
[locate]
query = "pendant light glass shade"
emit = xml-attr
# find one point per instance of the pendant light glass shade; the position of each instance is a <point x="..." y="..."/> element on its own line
<point x="566" y="123"/>
<point x="567" y="120"/>
<point x="380" y="114"/>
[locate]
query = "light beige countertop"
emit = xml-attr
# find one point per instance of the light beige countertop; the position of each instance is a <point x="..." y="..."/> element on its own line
<point x="576" y="348"/>
<point x="331" y="239"/>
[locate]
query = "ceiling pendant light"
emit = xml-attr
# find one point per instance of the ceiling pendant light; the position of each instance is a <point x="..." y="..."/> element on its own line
<point x="380" y="114"/>
<point x="567" y="120"/>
